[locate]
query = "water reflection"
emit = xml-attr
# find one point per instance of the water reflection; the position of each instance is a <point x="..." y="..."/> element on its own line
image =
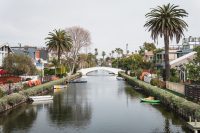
<point x="20" y="119"/>
<point x="70" y="108"/>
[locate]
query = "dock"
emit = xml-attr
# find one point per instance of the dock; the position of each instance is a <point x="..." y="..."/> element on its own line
<point x="195" y="126"/>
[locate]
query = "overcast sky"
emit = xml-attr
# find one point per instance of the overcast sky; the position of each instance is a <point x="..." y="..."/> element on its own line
<point x="112" y="23"/>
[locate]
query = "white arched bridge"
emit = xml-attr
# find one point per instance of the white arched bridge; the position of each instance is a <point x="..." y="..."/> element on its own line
<point x="84" y="71"/>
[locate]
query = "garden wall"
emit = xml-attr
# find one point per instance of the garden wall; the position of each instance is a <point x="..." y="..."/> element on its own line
<point x="180" y="88"/>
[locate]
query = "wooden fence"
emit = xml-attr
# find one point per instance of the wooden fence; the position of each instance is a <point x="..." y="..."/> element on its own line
<point x="193" y="92"/>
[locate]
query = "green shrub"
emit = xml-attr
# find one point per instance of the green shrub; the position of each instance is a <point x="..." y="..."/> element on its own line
<point x="46" y="86"/>
<point x="2" y="93"/>
<point x="154" y="82"/>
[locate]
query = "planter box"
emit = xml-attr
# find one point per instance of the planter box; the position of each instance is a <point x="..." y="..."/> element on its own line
<point x="180" y="88"/>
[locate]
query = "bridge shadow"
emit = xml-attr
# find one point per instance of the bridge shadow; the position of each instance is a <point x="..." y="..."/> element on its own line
<point x="100" y="73"/>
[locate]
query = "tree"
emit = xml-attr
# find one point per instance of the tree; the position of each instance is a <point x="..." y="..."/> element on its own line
<point x="96" y="53"/>
<point x="167" y="22"/>
<point x="59" y="42"/>
<point x="80" y="38"/>
<point x="119" y="52"/>
<point x="103" y="54"/>
<point x="19" y="64"/>
<point x="193" y="67"/>
<point x="112" y="52"/>
<point x="149" y="46"/>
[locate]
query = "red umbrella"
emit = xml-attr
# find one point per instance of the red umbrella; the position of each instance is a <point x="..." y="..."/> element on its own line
<point x="2" y="72"/>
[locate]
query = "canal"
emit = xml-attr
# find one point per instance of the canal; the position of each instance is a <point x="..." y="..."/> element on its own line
<point x="102" y="105"/>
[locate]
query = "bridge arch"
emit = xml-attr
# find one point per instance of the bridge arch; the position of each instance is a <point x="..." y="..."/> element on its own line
<point x="84" y="71"/>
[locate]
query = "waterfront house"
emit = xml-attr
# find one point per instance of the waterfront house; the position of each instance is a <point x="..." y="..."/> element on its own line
<point x="4" y="51"/>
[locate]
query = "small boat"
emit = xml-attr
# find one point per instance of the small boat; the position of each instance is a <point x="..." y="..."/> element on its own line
<point x="149" y="100"/>
<point x="78" y="81"/>
<point x="41" y="98"/>
<point x="119" y="78"/>
<point x="59" y="86"/>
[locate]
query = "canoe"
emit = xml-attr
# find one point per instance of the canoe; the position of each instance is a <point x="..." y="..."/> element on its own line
<point x="59" y="86"/>
<point x="41" y="98"/>
<point x="149" y="101"/>
<point x="119" y="78"/>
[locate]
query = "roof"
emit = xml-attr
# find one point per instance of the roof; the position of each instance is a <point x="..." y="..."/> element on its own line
<point x="183" y="59"/>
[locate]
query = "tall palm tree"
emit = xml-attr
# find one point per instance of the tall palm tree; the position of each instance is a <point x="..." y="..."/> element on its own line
<point x="58" y="41"/>
<point x="103" y="54"/>
<point x="112" y="52"/>
<point x="167" y="22"/>
<point x="95" y="51"/>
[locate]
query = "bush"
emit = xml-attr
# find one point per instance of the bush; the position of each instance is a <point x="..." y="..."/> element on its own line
<point x="155" y="82"/>
<point x="10" y="100"/>
<point x="46" y="86"/>
<point x="138" y="73"/>
<point x="2" y="93"/>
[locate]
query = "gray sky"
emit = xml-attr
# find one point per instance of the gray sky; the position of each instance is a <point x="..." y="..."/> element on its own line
<point x="112" y="23"/>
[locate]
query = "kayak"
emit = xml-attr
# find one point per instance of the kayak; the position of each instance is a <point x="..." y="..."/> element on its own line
<point x="149" y="101"/>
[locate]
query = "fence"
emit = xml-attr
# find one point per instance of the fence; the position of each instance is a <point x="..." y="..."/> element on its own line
<point x="179" y="88"/>
<point x="193" y="92"/>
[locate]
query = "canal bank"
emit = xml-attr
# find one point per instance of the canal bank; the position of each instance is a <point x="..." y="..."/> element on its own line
<point x="178" y="104"/>
<point x="11" y="101"/>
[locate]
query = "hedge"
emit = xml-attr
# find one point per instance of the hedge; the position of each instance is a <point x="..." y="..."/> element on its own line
<point x="11" y="100"/>
<point x="178" y="104"/>
<point x="14" y="99"/>
<point x="46" y="86"/>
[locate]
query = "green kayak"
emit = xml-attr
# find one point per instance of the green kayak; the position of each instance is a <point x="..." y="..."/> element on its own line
<point x="149" y="101"/>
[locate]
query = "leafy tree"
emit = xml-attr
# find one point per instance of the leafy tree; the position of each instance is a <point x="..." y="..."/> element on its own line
<point x="19" y="64"/>
<point x="193" y="67"/>
<point x="59" y="42"/>
<point x="149" y="46"/>
<point x="167" y="22"/>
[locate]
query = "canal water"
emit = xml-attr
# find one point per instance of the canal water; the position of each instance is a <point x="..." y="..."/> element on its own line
<point x="102" y="105"/>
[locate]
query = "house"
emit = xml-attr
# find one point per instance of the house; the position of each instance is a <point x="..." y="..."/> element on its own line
<point x="176" y="51"/>
<point x="148" y="56"/>
<point x="179" y="55"/>
<point x="28" y="50"/>
<point x="4" y="51"/>
<point x="41" y="54"/>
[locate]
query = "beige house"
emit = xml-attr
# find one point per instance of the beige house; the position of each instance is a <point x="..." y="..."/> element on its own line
<point x="148" y="56"/>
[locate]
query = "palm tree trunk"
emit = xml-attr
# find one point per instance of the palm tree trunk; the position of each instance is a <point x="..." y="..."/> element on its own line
<point x="59" y="55"/>
<point x="167" y="66"/>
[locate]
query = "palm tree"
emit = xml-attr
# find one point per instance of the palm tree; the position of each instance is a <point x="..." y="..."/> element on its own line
<point x="59" y="41"/>
<point x="103" y="54"/>
<point x="96" y="53"/>
<point x="167" y="22"/>
<point x="112" y="52"/>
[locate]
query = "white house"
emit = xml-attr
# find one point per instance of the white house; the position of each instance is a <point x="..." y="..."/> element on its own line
<point x="4" y="51"/>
